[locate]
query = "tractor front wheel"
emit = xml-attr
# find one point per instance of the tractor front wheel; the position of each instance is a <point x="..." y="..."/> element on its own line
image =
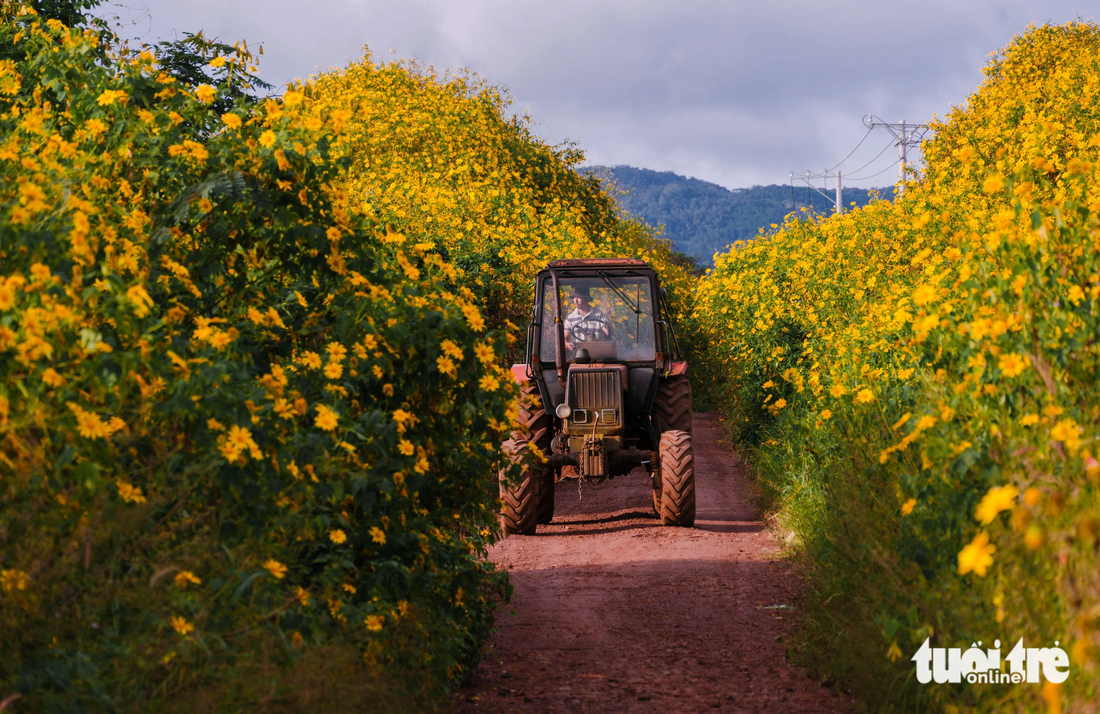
<point x="677" y="494"/>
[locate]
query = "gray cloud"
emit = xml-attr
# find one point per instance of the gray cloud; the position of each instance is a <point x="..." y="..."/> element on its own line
<point x="738" y="93"/>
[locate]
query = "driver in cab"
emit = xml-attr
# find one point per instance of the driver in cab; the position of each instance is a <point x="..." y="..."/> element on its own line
<point x="585" y="323"/>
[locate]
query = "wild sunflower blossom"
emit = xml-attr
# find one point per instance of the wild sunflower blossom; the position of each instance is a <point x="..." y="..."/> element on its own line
<point x="277" y="569"/>
<point x="977" y="556"/>
<point x="997" y="499"/>
<point x="182" y="626"/>
<point x="326" y="419"/>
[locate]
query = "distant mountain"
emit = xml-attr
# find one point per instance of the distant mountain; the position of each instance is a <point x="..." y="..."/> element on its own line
<point x="702" y="218"/>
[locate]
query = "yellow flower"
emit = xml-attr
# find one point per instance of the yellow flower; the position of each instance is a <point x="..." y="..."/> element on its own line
<point x="1034" y="537"/>
<point x="993" y="184"/>
<point x="450" y="349"/>
<point x="484" y="353"/>
<point x="377" y="535"/>
<point x="1068" y="432"/>
<point x="489" y="383"/>
<point x="7" y="296"/>
<point x="11" y="580"/>
<point x="109" y="97"/>
<point x="88" y="424"/>
<point x="1033" y="496"/>
<point x="978" y="556"/>
<point x="908" y="506"/>
<point x="276" y="568"/>
<point x="894" y="653"/>
<point x="182" y="626"/>
<point x="924" y="294"/>
<point x="446" y="366"/>
<point x="374" y="622"/>
<point x="326" y="418"/>
<point x="217" y="62"/>
<point x="267" y="139"/>
<point x="140" y="299"/>
<point x="205" y="93"/>
<point x="186" y="576"/>
<point x="129" y="493"/>
<point x="312" y="360"/>
<point x="1029" y="419"/>
<point x="997" y="499"/>
<point x="1012" y="364"/>
<point x="231" y="120"/>
<point x="333" y="370"/>
<point x="864" y="396"/>
<point x="52" y="378"/>
<point x="405" y="447"/>
<point x="337" y="536"/>
<point x="349" y="588"/>
<point x="838" y="390"/>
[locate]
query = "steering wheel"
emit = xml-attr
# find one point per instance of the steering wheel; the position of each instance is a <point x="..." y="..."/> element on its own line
<point x="586" y="334"/>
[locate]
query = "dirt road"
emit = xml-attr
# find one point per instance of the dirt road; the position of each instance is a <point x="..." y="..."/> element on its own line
<point x="615" y="613"/>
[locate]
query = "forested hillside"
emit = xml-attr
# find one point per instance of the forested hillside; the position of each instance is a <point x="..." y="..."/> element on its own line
<point x="702" y="218"/>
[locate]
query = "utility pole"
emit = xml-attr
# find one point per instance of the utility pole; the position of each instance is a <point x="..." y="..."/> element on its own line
<point x="906" y="134"/>
<point x="838" y="202"/>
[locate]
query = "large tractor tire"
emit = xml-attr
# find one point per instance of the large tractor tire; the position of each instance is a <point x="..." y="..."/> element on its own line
<point x="677" y="503"/>
<point x="520" y="499"/>
<point x="672" y="406"/>
<point x="535" y="491"/>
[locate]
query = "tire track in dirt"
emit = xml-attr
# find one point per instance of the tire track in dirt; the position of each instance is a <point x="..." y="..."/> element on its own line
<point x="615" y="613"/>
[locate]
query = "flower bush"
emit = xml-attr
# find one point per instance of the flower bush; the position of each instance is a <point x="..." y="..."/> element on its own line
<point x="242" y="421"/>
<point x="916" y="383"/>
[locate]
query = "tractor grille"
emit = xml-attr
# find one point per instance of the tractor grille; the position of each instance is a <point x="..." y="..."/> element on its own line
<point x="596" y="390"/>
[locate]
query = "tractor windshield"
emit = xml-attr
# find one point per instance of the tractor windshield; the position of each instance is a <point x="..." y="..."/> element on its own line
<point x="610" y="317"/>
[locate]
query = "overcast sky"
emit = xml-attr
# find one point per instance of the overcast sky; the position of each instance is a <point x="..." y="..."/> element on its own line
<point x="737" y="92"/>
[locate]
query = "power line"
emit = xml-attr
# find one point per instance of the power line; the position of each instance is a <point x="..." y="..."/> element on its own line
<point x="856" y="171"/>
<point x="853" y="150"/>
<point x="861" y="178"/>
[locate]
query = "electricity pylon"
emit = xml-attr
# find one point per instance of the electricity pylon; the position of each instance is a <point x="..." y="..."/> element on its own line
<point x="907" y="135"/>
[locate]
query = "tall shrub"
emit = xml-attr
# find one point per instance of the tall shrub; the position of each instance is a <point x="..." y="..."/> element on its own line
<point x="241" y="424"/>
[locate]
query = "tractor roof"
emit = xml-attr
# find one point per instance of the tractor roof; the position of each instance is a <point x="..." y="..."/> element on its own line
<point x="598" y="263"/>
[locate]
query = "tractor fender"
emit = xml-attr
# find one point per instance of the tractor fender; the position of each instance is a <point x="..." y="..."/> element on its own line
<point x="673" y="368"/>
<point x="519" y="372"/>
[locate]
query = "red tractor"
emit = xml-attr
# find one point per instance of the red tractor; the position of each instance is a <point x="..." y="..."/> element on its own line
<point x="604" y="392"/>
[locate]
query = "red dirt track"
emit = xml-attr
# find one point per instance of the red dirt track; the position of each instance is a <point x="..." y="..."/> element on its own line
<point x="615" y="613"/>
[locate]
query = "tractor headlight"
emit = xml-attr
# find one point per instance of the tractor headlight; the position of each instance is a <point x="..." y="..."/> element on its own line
<point x="562" y="411"/>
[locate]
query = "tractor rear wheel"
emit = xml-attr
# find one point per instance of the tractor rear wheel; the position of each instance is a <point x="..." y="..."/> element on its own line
<point x="520" y="498"/>
<point x="677" y="504"/>
<point x="672" y="406"/>
<point x="535" y="491"/>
